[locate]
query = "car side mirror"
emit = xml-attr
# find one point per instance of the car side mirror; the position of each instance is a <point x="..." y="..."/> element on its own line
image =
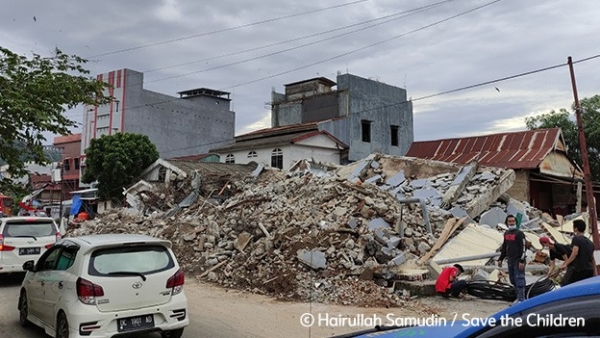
<point x="29" y="266"/>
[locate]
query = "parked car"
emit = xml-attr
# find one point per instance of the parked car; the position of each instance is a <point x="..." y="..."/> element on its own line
<point x="105" y="285"/>
<point x="570" y="311"/>
<point x="23" y="239"/>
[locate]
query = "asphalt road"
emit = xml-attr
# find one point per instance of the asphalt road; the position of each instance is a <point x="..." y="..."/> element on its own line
<point x="200" y="324"/>
<point x="218" y="312"/>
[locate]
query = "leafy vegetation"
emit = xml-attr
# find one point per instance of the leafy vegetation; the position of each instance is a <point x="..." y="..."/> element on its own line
<point x="591" y="124"/>
<point x="34" y="94"/>
<point x="115" y="160"/>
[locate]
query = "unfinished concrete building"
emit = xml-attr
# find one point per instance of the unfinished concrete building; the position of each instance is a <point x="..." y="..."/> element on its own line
<point x="367" y="115"/>
<point x="314" y="120"/>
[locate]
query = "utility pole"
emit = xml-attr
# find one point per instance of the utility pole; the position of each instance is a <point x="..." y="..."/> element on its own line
<point x="589" y="189"/>
<point x="60" y="216"/>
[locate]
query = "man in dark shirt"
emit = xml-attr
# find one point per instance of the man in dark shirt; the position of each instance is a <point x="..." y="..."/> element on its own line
<point x="557" y="251"/>
<point x="514" y="249"/>
<point x="581" y="264"/>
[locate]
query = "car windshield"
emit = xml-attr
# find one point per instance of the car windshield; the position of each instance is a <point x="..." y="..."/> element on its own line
<point x="29" y="228"/>
<point x="118" y="262"/>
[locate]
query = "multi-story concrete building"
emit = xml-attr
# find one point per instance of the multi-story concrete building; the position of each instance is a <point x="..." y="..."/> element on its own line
<point x="71" y="163"/>
<point x="194" y="122"/>
<point x="312" y="119"/>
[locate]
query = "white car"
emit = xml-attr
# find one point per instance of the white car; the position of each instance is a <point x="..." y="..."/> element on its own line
<point x="23" y="239"/>
<point x="105" y="285"/>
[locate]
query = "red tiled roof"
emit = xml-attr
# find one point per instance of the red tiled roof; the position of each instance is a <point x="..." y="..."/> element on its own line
<point x="192" y="157"/>
<point x="67" y="139"/>
<point x="517" y="150"/>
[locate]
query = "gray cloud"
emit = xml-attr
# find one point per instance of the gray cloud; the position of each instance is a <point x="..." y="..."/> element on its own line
<point x="503" y="39"/>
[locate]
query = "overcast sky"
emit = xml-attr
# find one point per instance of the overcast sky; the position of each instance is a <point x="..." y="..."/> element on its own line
<point x="250" y="47"/>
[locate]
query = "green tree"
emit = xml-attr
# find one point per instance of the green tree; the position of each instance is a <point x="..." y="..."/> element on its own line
<point x="34" y="94"/>
<point x="565" y="120"/>
<point x="114" y="161"/>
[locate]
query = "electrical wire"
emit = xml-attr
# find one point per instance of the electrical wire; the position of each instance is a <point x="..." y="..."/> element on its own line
<point x="118" y="51"/>
<point x="392" y="104"/>
<point x="501" y="291"/>
<point x="365" y="47"/>
<point x="335" y="57"/>
<point x="390" y="17"/>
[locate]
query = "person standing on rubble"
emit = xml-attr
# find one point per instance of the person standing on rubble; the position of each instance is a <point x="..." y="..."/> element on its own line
<point x="557" y="251"/>
<point x="581" y="263"/>
<point x="447" y="283"/>
<point x="514" y="249"/>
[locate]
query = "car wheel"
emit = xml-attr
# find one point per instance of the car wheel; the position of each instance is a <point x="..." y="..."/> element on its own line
<point x="23" y="310"/>
<point x="62" y="326"/>
<point x="172" y="334"/>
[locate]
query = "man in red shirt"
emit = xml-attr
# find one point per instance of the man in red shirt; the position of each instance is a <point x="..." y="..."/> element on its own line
<point x="447" y="283"/>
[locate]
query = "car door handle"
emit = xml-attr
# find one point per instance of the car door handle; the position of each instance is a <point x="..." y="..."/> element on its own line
<point x="42" y="283"/>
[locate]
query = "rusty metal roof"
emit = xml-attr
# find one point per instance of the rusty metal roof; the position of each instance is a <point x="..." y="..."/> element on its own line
<point x="517" y="150"/>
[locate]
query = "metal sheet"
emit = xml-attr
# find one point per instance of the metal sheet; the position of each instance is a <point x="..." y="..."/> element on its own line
<point x="473" y="240"/>
<point x="520" y="150"/>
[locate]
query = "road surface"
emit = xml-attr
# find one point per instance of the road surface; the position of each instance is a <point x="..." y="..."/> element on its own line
<point x="219" y="313"/>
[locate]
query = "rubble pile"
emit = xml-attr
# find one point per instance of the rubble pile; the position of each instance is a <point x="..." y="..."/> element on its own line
<point x="313" y="233"/>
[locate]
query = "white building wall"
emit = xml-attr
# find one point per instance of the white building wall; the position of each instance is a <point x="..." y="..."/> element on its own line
<point x="291" y="154"/>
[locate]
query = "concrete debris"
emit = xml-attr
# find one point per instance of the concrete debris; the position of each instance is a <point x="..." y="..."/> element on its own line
<point x="281" y="233"/>
<point x="313" y="258"/>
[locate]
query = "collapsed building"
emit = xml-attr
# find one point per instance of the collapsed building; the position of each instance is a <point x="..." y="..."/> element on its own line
<point x="359" y="234"/>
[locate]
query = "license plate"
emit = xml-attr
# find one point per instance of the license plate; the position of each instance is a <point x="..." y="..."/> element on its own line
<point x="135" y="323"/>
<point x="29" y="251"/>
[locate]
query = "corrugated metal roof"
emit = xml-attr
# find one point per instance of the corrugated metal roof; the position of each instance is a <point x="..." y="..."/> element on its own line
<point x="276" y="140"/>
<point x="213" y="168"/>
<point x="272" y="140"/>
<point x="517" y="150"/>
<point x="292" y="128"/>
<point x="197" y="157"/>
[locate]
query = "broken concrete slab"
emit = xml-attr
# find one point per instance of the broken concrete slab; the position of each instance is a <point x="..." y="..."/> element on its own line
<point x="458" y="212"/>
<point x="517" y="209"/>
<point x="374" y="179"/>
<point x="458" y="185"/>
<point x="417" y="288"/>
<point x="476" y="206"/>
<point x="397" y="179"/>
<point x="413" y="274"/>
<point x="429" y="194"/>
<point x="420" y="183"/>
<point x="493" y="217"/>
<point x="353" y="223"/>
<point x="313" y="258"/>
<point x="399" y="259"/>
<point x="378" y="223"/>
<point x="434" y="269"/>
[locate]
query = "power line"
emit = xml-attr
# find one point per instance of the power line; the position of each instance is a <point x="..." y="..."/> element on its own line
<point x="393" y="16"/>
<point x="337" y="56"/>
<point x="539" y="70"/>
<point x="225" y="29"/>
<point x="504" y="78"/>
<point x="365" y="47"/>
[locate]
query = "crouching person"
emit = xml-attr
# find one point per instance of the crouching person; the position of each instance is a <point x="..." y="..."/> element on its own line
<point x="448" y="284"/>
